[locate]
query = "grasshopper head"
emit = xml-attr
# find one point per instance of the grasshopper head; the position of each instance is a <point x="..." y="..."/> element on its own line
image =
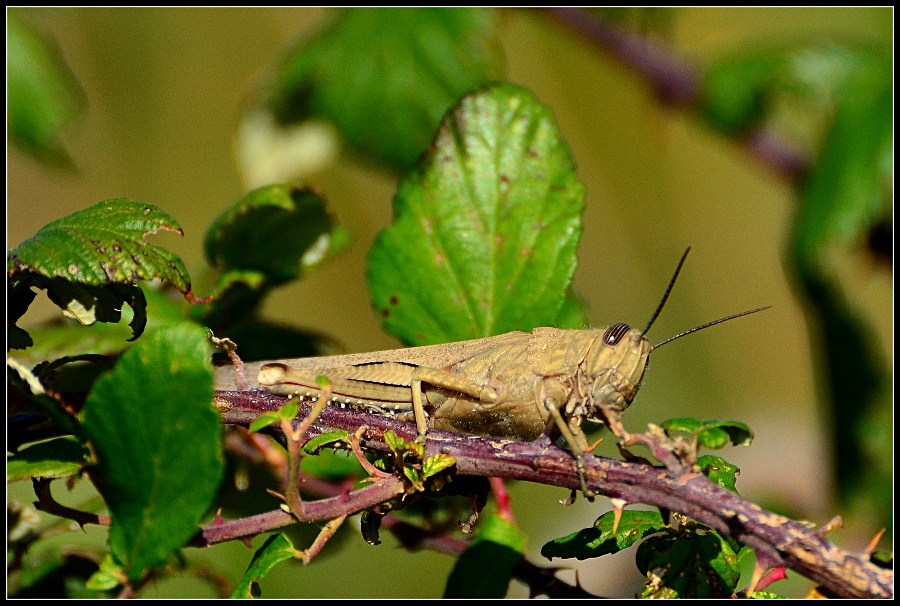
<point x="615" y="365"/>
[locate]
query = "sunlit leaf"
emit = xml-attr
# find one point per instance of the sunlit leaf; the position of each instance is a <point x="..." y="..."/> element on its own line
<point x="385" y="76"/>
<point x="277" y="548"/>
<point x="158" y="444"/>
<point x="600" y="539"/>
<point x="484" y="570"/>
<point x="485" y="228"/>
<point x="42" y="95"/>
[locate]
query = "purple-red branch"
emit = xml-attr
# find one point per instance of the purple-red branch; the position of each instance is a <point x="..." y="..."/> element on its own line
<point x="776" y="539"/>
<point x="675" y="82"/>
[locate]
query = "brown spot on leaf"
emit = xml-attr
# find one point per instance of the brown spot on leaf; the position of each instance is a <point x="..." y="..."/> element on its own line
<point x="117" y="248"/>
<point x="394" y="300"/>
<point x="73" y="269"/>
<point x="385" y="312"/>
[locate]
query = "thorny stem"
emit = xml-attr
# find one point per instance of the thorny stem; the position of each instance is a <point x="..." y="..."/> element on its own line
<point x="363" y="461"/>
<point x="344" y="504"/>
<point x="326" y="533"/>
<point x="502" y="498"/>
<point x="295" y="456"/>
<point x="776" y="539"/>
<point x="48" y="504"/>
<point x="230" y="348"/>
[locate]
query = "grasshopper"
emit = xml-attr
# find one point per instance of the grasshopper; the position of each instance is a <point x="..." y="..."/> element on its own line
<point x="517" y="385"/>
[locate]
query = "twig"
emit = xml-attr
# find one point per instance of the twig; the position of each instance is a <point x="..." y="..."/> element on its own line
<point x="675" y="82"/>
<point x="295" y="455"/>
<point x="326" y="533"/>
<point x="48" y="504"/>
<point x="380" y="491"/>
<point x="776" y="539"/>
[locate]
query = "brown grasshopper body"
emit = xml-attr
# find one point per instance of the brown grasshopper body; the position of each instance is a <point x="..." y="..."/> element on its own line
<point x="508" y="386"/>
<point x="517" y="385"/>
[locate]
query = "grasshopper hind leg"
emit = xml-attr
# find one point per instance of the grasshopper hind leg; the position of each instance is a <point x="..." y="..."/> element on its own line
<point x="446" y="380"/>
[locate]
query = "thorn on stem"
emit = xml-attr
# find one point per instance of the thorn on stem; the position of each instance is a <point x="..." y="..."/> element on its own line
<point x="618" y="507"/>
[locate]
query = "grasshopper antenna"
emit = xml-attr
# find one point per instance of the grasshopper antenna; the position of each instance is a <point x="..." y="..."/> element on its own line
<point x="668" y="291"/>
<point x="713" y="323"/>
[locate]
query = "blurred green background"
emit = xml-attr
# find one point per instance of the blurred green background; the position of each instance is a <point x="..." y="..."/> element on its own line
<point x="165" y="91"/>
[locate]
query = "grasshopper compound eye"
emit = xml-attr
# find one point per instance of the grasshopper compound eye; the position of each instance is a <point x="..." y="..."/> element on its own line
<point x="615" y="333"/>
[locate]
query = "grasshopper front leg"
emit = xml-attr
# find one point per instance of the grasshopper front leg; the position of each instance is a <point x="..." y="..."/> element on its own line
<point x="553" y="396"/>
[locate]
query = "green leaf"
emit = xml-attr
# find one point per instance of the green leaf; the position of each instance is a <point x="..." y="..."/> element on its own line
<point x="369" y="525"/>
<point x="158" y="444"/>
<point x="398" y="445"/>
<point x="436" y="464"/>
<point x="485" y="228"/>
<point x="685" y="424"/>
<point x="235" y="299"/>
<point x="19" y="297"/>
<point x="102" y="244"/>
<point x="719" y="471"/>
<point x="264" y="420"/>
<point x="854" y="376"/>
<point x="848" y="193"/>
<point x="385" y="76"/>
<point x="600" y="540"/>
<point x="412" y="474"/>
<point x="277" y="548"/>
<point x="43" y="97"/>
<point x="712" y="434"/>
<point x="108" y="577"/>
<point x="89" y="261"/>
<point x="56" y="458"/>
<point x="289" y="410"/>
<point x="737" y="92"/>
<point x="270" y="230"/>
<point x="696" y="562"/>
<point x="573" y="313"/>
<point x="331" y="465"/>
<point x="765" y="595"/>
<point x="63" y="337"/>
<point x="55" y="575"/>
<point x="329" y="437"/>
<point x="882" y="559"/>
<point x="20" y="379"/>
<point x="849" y="188"/>
<point x="485" y="567"/>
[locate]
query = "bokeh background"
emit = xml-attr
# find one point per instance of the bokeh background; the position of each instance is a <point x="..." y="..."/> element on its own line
<point x="165" y="92"/>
